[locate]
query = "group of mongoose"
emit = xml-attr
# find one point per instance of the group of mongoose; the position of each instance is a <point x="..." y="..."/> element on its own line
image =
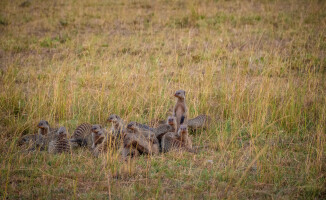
<point x="132" y="139"/>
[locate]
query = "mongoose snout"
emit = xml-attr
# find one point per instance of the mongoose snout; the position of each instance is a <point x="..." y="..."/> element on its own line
<point x="183" y="129"/>
<point x="43" y="124"/>
<point x="180" y="94"/>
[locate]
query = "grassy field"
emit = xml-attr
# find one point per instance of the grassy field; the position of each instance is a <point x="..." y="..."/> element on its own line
<point x="257" y="68"/>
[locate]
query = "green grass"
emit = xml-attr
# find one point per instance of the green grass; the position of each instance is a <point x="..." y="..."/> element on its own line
<point x="256" y="67"/>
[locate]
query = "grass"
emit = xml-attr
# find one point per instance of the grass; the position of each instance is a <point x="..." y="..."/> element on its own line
<point x="256" y="67"/>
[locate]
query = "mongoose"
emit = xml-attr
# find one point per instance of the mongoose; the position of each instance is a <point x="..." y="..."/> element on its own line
<point x="183" y="136"/>
<point x="60" y="143"/>
<point x="143" y="140"/>
<point x="180" y="140"/>
<point x="201" y="121"/>
<point x="180" y="110"/>
<point x="82" y="136"/>
<point x="41" y="139"/>
<point x="118" y="127"/>
<point x="98" y="135"/>
<point x="45" y="129"/>
<point x="169" y="126"/>
<point x="33" y="141"/>
<point x="172" y="121"/>
<point x="103" y="140"/>
<point x="129" y="151"/>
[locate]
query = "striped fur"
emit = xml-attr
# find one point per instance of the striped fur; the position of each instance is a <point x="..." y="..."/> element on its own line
<point x="201" y="121"/>
<point x="177" y="141"/>
<point x="82" y="136"/>
<point x="60" y="143"/>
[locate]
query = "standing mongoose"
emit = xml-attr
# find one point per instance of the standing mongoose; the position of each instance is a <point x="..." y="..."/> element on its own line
<point x="201" y="121"/>
<point x="180" y="110"/>
<point x="60" y="143"/>
<point x="179" y="140"/>
<point x="82" y="136"/>
<point x="143" y="140"/>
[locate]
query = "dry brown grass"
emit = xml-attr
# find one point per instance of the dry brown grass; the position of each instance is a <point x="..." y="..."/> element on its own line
<point x="256" y="67"/>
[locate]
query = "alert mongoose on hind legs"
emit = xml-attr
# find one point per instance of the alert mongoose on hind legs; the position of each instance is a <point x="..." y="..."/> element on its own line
<point x="180" y="110"/>
<point x="60" y="143"/>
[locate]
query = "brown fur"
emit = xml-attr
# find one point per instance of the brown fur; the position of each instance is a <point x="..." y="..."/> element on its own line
<point x="201" y="121"/>
<point x="144" y="141"/>
<point x="180" y="110"/>
<point x="177" y="141"/>
<point x="60" y="143"/>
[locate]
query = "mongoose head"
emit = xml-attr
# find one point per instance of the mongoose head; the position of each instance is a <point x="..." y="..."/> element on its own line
<point x="171" y="120"/>
<point x="96" y="129"/>
<point x="180" y="94"/>
<point x="183" y="130"/>
<point x="43" y="124"/>
<point x="62" y="132"/>
<point x="132" y="126"/>
<point x="114" y="118"/>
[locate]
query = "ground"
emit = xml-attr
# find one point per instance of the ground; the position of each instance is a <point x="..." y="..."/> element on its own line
<point x="256" y="67"/>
